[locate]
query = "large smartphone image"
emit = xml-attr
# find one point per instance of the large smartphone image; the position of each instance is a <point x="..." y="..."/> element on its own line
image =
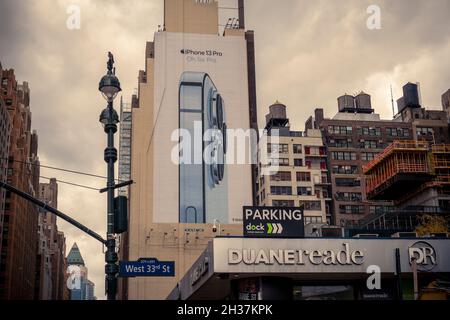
<point x="203" y="183"/>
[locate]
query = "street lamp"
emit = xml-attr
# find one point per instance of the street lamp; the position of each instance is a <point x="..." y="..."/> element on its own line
<point x="109" y="86"/>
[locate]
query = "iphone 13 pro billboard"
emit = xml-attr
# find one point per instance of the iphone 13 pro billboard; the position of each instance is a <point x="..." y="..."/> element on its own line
<point x="201" y="93"/>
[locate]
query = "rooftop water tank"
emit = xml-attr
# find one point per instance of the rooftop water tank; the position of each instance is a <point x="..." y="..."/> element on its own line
<point x="277" y="115"/>
<point x="278" y="110"/>
<point x="411" y="95"/>
<point x="346" y="103"/>
<point x="363" y="102"/>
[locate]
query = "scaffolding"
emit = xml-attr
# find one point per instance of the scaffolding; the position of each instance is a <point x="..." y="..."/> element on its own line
<point x="404" y="164"/>
<point x="405" y="171"/>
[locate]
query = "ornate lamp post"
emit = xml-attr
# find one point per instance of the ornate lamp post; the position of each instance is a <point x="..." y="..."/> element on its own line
<point x="109" y="86"/>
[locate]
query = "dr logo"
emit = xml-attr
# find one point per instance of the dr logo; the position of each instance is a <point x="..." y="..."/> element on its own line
<point x="424" y="255"/>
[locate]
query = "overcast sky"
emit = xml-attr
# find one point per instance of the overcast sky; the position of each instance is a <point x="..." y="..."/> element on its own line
<point x="307" y="54"/>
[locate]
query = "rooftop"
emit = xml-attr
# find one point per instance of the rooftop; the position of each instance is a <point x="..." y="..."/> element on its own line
<point x="74" y="257"/>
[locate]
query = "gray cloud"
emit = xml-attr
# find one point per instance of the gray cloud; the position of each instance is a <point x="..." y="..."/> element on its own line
<point x="308" y="53"/>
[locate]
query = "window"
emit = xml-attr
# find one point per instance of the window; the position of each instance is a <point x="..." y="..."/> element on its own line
<point x="311" y="205"/>
<point x="397" y="132"/>
<point x="391" y="132"/>
<point x="370" y="144"/>
<point x="340" y="143"/>
<point x="345" y="169"/>
<point x="380" y="209"/>
<point x="281" y="190"/>
<point x="348" y="196"/>
<point x="298" y="162"/>
<point x="281" y="176"/>
<point x="315" y="151"/>
<point x="348" y="182"/>
<point x="297" y="148"/>
<point x="368" y="156"/>
<point x="351" y="209"/>
<point x="340" y="129"/>
<point x="369" y="131"/>
<point x="422" y="131"/>
<point x="303" y="176"/>
<point x="313" y="220"/>
<point x="343" y="156"/>
<point x="283" y="162"/>
<point x="277" y="148"/>
<point x="283" y="203"/>
<point x="304" y="191"/>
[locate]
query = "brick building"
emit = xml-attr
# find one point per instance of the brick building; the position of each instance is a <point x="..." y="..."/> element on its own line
<point x="51" y="264"/>
<point x="5" y="130"/>
<point x="353" y="139"/>
<point x="302" y="178"/>
<point x="356" y="134"/>
<point x="19" y="238"/>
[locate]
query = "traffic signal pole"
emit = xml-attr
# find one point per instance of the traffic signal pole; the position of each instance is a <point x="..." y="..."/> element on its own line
<point x="56" y="212"/>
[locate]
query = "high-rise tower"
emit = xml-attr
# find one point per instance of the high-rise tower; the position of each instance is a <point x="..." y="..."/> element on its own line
<point x="196" y="83"/>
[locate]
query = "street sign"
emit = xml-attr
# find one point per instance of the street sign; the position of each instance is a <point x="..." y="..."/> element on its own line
<point x="146" y="267"/>
<point x="273" y="222"/>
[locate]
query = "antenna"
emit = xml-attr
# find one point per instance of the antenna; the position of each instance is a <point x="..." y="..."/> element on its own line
<point x="392" y="102"/>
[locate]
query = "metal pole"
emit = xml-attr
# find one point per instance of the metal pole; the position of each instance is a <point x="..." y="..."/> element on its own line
<point x="415" y="279"/>
<point x="56" y="212"/>
<point x="398" y="271"/>
<point x="111" y="268"/>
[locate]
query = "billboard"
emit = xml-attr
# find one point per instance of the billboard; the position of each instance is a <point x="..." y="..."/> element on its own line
<point x="200" y="95"/>
<point x="273" y="222"/>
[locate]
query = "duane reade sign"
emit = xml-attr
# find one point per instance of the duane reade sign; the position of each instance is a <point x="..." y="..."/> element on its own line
<point x="273" y="222"/>
<point x="345" y="256"/>
<point x="319" y="255"/>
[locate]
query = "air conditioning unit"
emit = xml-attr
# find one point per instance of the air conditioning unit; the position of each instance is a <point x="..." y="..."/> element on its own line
<point x="366" y="235"/>
<point x="404" y="235"/>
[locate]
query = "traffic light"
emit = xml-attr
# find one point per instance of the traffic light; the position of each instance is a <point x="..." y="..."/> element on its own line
<point x="120" y="214"/>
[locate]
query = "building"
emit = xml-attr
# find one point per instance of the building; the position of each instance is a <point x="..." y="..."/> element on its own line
<point x="314" y="269"/>
<point x="353" y="137"/>
<point x="59" y="263"/>
<point x="125" y="171"/>
<point x="90" y="288"/>
<point x="302" y="179"/>
<point x="174" y="204"/>
<point x="415" y="176"/>
<point x="52" y="248"/>
<point x="427" y="125"/>
<point x="80" y="286"/>
<point x="125" y="143"/>
<point x="20" y="222"/>
<point x="5" y="130"/>
<point x="446" y="102"/>
<point x="43" y="287"/>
